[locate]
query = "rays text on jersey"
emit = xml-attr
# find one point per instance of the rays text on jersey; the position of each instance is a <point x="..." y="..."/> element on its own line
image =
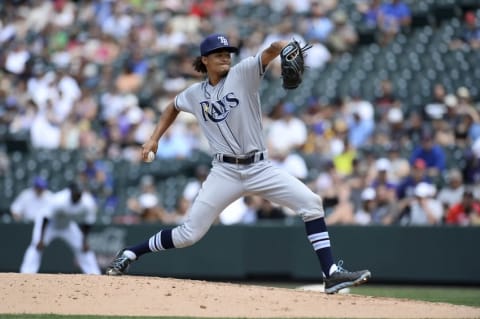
<point x="218" y="111"/>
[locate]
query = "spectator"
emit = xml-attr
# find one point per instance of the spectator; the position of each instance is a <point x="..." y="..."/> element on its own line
<point x="179" y="214"/>
<point x="252" y="204"/>
<point x="375" y="209"/>
<point x="386" y="206"/>
<point x="442" y="130"/>
<point x="369" y="10"/>
<point x="169" y="39"/>
<point x="174" y="144"/>
<point x="386" y="99"/>
<point x="451" y="102"/>
<point x="68" y="86"/>
<point x="318" y="56"/>
<point x="17" y="58"/>
<point x="418" y="173"/>
<point x="392" y="128"/>
<point x="318" y="25"/>
<point x="467" y="126"/>
<point x="363" y="215"/>
<point x="465" y="103"/>
<point x="338" y="139"/>
<point x="119" y="23"/>
<point x="356" y="181"/>
<point x="436" y="108"/>
<point x="423" y="209"/>
<point x="432" y="153"/>
<point x="327" y="185"/>
<point x="469" y="34"/>
<point x="45" y="131"/>
<point x="23" y="117"/>
<point x="393" y="17"/>
<point x="400" y="165"/>
<point x="343" y="37"/>
<point x="471" y="171"/>
<point x="146" y="205"/>
<point x="344" y="160"/>
<point x="138" y="63"/>
<point x="395" y="122"/>
<point x="86" y="108"/>
<point x="343" y="212"/>
<point x="101" y="48"/>
<point x="145" y="32"/>
<point x="452" y="192"/>
<point x="128" y="81"/>
<point x="288" y="131"/>
<point x="359" y="130"/>
<point x="361" y="121"/>
<point x="466" y="212"/>
<point x="239" y="211"/>
<point x="99" y="180"/>
<point x="249" y="209"/>
<point x="414" y="127"/>
<point x="193" y="186"/>
<point x="384" y="170"/>
<point x="291" y="162"/>
<point x="63" y="14"/>
<point x="361" y="106"/>
<point x="269" y="211"/>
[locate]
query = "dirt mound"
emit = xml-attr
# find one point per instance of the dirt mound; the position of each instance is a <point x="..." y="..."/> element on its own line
<point x="153" y="296"/>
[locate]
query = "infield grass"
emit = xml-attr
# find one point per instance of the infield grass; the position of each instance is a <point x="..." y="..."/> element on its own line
<point x="468" y="296"/>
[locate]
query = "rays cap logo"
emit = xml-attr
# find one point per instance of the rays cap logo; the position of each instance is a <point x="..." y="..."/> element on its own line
<point x="215" y="42"/>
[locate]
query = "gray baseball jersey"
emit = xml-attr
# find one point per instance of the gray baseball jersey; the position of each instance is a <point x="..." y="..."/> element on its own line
<point x="230" y="112"/>
<point x="230" y="116"/>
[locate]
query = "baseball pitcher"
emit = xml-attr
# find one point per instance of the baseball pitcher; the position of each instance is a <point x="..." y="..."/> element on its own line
<point x="227" y="106"/>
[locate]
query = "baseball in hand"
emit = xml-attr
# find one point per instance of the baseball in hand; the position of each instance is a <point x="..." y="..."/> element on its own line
<point x="150" y="157"/>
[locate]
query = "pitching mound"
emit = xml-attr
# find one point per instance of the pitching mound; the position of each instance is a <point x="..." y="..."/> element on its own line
<point x="152" y="296"/>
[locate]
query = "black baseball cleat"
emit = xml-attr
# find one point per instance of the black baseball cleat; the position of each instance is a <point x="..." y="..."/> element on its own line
<point x="343" y="278"/>
<point x="119" y="264"/>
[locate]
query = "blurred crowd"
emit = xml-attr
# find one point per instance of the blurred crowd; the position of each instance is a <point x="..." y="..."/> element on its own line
<point x="93" y="75"/>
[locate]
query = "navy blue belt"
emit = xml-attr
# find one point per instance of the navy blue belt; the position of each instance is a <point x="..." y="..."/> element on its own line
<point x="242" y="160"/>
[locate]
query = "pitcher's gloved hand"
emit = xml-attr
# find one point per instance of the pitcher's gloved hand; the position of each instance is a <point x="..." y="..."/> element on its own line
<point x="293" y="64"/>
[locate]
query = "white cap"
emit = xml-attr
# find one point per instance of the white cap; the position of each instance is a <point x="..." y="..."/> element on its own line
<point x="451" y="100"/>
<point x="395" y="115"/>
<point x="463" y="92"/>
<point x="383" y="164"/>
<point x="424" y="190"/>
<point x="368" y="194"/>
<point x="148" y="200"/>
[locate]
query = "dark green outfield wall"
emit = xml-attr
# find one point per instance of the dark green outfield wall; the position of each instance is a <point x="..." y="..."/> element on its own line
<point x="393" y="254"/>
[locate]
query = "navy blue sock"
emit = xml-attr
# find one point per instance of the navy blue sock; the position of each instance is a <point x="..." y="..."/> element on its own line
<point x="160" y="241"/>
<point x="318" y="236"/>
<point x="140" y="249"/>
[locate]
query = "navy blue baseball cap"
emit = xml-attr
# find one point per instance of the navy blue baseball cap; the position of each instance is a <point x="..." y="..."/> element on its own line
<point x="40" y="182"/>
<point x="215" y="42"/>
